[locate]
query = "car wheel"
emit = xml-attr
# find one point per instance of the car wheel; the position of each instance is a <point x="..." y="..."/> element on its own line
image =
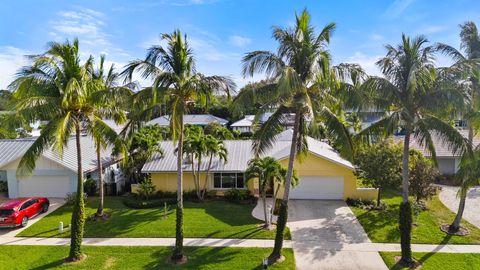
<point x="45" y="208"/>
<point x="24" y="221"/>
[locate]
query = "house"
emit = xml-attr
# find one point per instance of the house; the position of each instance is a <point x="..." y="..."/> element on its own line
<point x="247" y="124"/>
<point x="54" y="175"/>
<point x="189" y="119"/>
<point x="323" y="173"/>
<point x="448" y="161"/>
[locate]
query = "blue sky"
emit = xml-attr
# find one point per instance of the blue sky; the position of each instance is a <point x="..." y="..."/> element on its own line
<point x="221" y="31"/>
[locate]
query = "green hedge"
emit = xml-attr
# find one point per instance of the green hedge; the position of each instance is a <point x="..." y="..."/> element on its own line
<point x="137" y="203"/>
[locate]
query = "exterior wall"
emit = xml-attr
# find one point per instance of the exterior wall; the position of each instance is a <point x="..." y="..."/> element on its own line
<point x="242" y="129"/>
<point x="168" y="182"/>
<point x="311" y="166"/>
<point x="44" y="167"/>
<point x="316" y="166"/>
<point x="447" y="165"/>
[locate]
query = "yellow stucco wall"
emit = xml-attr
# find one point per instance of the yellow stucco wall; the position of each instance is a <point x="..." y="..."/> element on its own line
<point x="168" y="182"/>
<point x="312" y="165"/>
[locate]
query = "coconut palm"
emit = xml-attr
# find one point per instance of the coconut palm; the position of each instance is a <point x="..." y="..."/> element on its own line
<point x="467" y="68"/>
<point x="411" y="93"/>
<point x="214" y="148"/>
<point x="176" y="81"/>
<point x="300" y="81"/>
<point x="57" y="87"/>
<point x="114" y="96"/>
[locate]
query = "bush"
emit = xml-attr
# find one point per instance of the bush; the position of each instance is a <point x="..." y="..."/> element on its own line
<point x="90" y="187"/>
<point x="137" y="202"/>
<point x="238" y="195"/>
<point x="3" y="186"/>
<point x="366" y="204"/>
<point x="71" y="196"/>
<point x="146" y="189"/>
<point x="165" y="194"/>
<point x="422" y="176"/>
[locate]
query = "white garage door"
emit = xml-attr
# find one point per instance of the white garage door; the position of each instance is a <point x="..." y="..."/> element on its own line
<point x="43" y="186"/>
<point x="319" y="188"/>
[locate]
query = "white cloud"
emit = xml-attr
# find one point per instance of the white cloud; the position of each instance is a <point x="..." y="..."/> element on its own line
<point x="367" y="62"/>
<point x="239" y="41"/>
<point x="376" y="37"/>
<point x="11" y="60"/>
<point x="397" y="8"/>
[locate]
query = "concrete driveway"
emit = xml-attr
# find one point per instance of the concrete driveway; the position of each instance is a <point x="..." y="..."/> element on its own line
<point x="55" y="203"/>
<point x="321" y="232"/>
<point x="448" y="196"/>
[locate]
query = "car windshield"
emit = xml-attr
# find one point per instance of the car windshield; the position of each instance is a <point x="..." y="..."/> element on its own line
<point x="6" y="212"/>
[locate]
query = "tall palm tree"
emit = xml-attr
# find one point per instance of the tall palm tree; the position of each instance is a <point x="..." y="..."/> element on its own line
<point x="467" y="66"/>
<point x="57" y="87"/>
<point x="175" y="79"/>
<point x="300" y="80"/>
<point x="113" y="96"/>
<point x="411" y="93"/>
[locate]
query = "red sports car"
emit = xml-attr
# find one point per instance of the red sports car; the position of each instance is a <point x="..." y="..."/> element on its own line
<point x="17" y="212"/>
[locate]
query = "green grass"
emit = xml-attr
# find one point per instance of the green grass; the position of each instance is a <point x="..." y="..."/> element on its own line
<point x="215" y="219"/>
<point x="52" y="257"/>
<point x="382" y="226"/>
<point x="437" y="261"/>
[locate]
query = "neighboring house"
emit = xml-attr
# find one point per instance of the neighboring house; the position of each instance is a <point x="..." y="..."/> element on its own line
<point x="323" y="173"/>
<point x="448" y="161"/>
<point x="54" y="175"/>
<point x="189" y="119"/>
<point x="247" y="124"/>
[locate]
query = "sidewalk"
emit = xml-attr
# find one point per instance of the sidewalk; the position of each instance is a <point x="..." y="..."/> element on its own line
<point x="262" y="243"/>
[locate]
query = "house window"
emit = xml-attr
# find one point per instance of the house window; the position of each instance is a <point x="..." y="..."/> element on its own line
<point x="228" y="180"/>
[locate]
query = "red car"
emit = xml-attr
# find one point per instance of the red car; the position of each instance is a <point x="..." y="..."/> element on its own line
<point x="17" y="212"/>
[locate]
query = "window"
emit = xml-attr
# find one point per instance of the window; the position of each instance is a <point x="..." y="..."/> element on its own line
<point x="228" y="180"/>
<point x="26" y="205"/>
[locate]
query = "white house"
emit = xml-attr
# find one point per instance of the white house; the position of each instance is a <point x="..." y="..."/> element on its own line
<point x="247" y="123"/>
<point x="190" y="119"/>
<point x="54" y="175"/>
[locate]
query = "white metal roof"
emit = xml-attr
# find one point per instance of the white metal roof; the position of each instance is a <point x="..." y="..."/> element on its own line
<point x="14" y="149"/>
<point x="190" y="119"/>
<point x="239" y="153"/>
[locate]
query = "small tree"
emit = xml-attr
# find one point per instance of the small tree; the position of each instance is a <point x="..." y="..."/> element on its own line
<point x="422" y="176"/>
<point x="379" y="165"/>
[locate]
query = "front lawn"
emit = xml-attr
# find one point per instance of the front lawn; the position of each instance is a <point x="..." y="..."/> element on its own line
<point x="52" y="257"/>
<point x="382" y="226"/>
<point x="437" y="261"/>
<point x="215" y="219"/>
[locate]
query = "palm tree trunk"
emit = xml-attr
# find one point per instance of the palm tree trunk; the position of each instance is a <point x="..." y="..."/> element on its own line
<point x="405" y="208"/>
<point x="455" y="226"/>
<point x="100" y="184"/>
<point x="378" y="197"/>
<point x="283" y="212"/>
<point x="78" y="214"/>
<point x="205" y="185"/>
<point x="178" y="250"/>
<point x="264" y="200"/>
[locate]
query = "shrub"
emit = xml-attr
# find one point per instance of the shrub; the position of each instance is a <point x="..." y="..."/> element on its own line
<point x="165" y="194"/>
<point x="366" y="204"/>
<point x="422" y="176"/>
<point x="71" y="196"/>
<point x="238" y="195"/>
<point x="137" y="202"/>
<point x="190" y="195"/>
<point x="146" y="189"/>
<point x="3" y="186"/>
<point x="90" y="187"/>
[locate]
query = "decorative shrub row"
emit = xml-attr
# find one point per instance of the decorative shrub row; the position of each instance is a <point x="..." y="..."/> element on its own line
<point x="137" y="203"/>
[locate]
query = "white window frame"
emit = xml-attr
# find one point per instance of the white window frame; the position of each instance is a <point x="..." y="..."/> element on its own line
<point x="236" y="177"/>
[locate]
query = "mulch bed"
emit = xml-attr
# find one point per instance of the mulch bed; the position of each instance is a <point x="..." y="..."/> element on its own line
<point x="413" y="265"/>
<point x="461" y="232"/>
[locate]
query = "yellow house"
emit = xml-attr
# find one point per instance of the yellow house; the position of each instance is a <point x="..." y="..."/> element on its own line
<point x="323" y="173"/>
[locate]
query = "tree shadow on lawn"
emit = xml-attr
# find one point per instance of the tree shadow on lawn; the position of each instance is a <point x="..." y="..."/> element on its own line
<point x="54" y="264"/>
<point x="373" y="219"/>
<point x="197" y="256"/>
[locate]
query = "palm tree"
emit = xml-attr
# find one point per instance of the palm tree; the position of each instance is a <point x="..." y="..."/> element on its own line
<point x="265" y="170"/>
<point x="300" y="80"/>
<point x="172" y="69"/>
<point x="113" y="97"/>
<point x="411" y="93"/>
<point x="57" y="87"/>
<point x="214" y="148"/>
<point x="467" y="66"/>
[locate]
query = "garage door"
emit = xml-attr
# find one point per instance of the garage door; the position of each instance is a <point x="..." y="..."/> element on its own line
<point x="319" y="188"/>
<point x="43" y="186"/>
